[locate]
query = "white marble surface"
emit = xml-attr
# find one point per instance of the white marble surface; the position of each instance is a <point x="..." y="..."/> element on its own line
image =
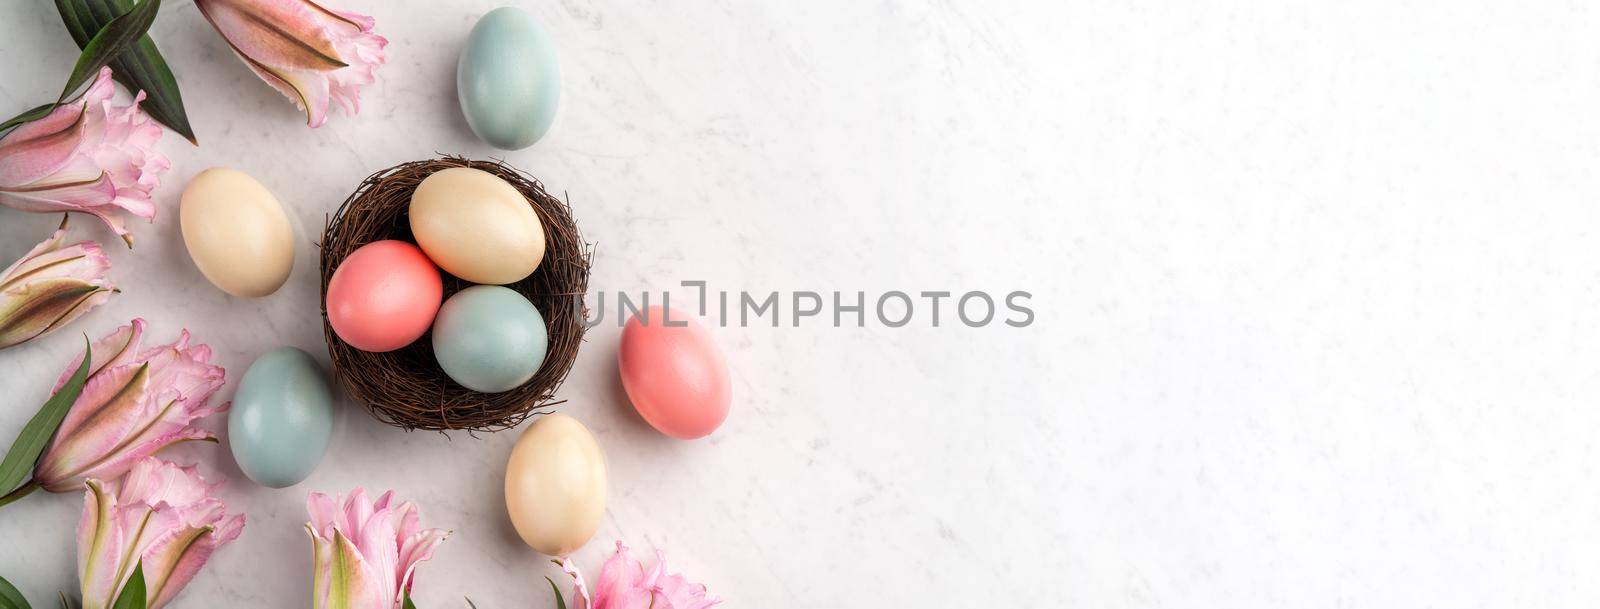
<point x="1315" y="287"/>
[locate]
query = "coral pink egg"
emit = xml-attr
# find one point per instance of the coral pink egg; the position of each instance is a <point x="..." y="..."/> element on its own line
<point x="674" y="373"/>
<point x="384" y="296"/>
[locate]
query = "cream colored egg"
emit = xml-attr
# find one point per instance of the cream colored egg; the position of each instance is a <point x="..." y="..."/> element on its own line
<point x="556" y="485"/>
<point x="476" y="226"/>
<point x="236" y="232"/>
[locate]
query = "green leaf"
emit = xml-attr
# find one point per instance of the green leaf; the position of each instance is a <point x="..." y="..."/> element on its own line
<point x="132" y="596"/>
<point x="140" y="68"/>
<point x="117" y="36"/>
<point x="31" y="441"/>
<point x="561" y="603"/>
<point x="408" y="604"/>
<point x="32" y="114"/>
<point x="10" y="598"/>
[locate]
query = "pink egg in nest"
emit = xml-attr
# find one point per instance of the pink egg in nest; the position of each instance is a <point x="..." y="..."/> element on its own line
<point x="674" y="373"/>
<point x="384" y="296"/>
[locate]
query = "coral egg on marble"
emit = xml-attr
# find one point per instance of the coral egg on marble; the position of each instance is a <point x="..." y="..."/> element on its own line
<point x="383" y="296"/>
<point x="674" y="373"/>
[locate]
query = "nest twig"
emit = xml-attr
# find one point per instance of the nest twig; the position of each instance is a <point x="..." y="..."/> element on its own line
<point x="406" y="387"/>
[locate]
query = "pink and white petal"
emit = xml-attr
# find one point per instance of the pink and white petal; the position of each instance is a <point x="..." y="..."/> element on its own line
<point x="580" y="592"/>
<point x="408" y="520"/>
<point x="114" y="349"/>
<point x="357" y="509"/>
<point x="100" y="545"/>
<point x="620" y="574"/>
<point x="416" y="549"/>
<point x="343" y="23"/>
<point x="353" y="580"/>
<point x="181" y="557"/>
<point x="83" y="261"/>
<point x="314" y="118"/>
<point x="111" y="408"/>
<point x="632" y="598"/>
<point x="35" y="258"/>
<point x="321" y="566"/>
<point x="312" y="93"/>
<point x="124" y="458"/>
<point x="37" y="308"/>
<point x="75" y="195"/>
<point x="280" y="33"/>
<point x="177" y="372"/>
<point x="101" y="90"/>
<point x="171" y="421"/>
<point x="154" y="481"/>
<point x="127" y="153"/>
<point x="35" y="150"/>
<point x="384" y="501"/>
<point x="376" y="542"/>
<point x="679" y="593"/>
<point x="325" y="514"/>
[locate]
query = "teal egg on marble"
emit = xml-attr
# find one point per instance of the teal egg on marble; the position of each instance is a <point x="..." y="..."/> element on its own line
<point x="281" y="419"/>
<point x="507" y="80"/>
<point x="489" y="338"/>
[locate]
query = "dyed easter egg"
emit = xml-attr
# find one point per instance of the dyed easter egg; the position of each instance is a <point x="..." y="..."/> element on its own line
<point x="236" y="232"/>
<point x="674" y="373"/>
<point x="556" y="485"/>
<point x="281" y="418"/>
<point x="507" y="79"/>
<point x="489" y="339"/>
<point x="476" y="226"/>
<point x="383" y="296"/>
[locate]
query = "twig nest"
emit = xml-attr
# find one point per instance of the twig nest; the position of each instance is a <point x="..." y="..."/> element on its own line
<point x="407" y="387"/>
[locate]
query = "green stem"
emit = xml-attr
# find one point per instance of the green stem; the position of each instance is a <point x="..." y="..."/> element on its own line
<point x="22" y="491"/>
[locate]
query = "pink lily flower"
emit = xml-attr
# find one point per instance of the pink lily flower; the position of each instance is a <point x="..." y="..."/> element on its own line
<point x="134" y="404"/>
<point x="160" y="516"/>
<point x="366" y="552"/>
<point x="50" y="287"/>
<point x="625" y="584"/>
<point x="88" y="156"/>
<point x="311" y="54"/>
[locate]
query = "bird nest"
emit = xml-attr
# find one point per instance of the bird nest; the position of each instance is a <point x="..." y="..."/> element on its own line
<point x="406" y="387"/>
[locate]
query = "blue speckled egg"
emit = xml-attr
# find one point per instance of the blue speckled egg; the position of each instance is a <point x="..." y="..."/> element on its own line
<point x="489" y="338"/>
<point x="282" y="418"/>
<point x="508" y="80"/>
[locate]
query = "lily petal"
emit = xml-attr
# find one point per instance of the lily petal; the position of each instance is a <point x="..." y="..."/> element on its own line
<point x="37" y="149"/>
<point x="114" y="349"/>
<point x="310" y="54"/>
<point x="135" y="404"/>
<point x="91" y="156"/>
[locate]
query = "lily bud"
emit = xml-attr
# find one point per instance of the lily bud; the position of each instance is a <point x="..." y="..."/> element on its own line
<point x="311" y="54"/>
<point x="50" y="287"/>
<point x="87" y="156"/>
<point x="366" y="552"/>
<point x="160" y="517"/>
<point x="626" y="584"/>
<point x="134" y="404"/>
